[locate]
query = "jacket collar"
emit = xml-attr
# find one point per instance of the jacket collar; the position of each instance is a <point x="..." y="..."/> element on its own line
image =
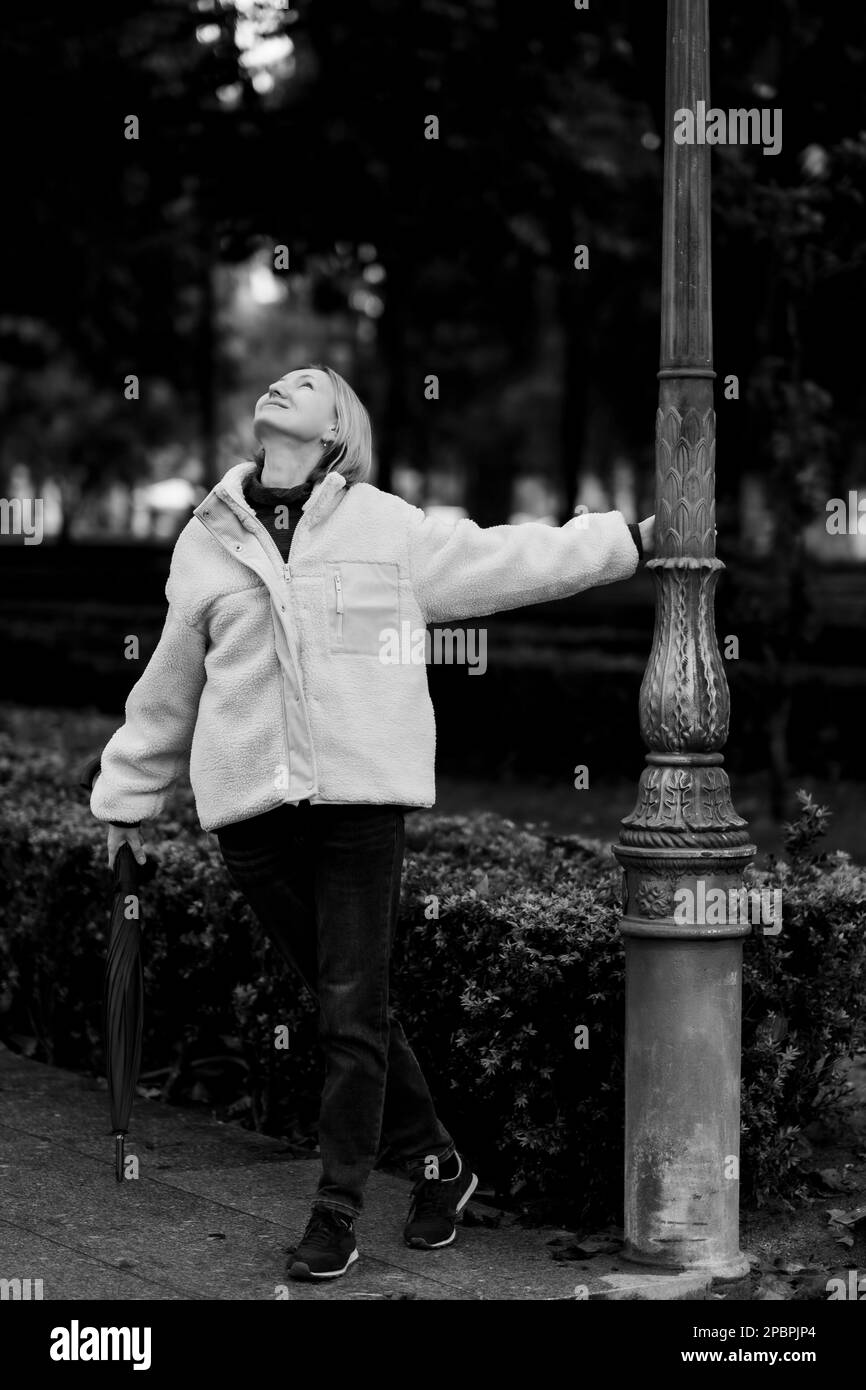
<point x="229" y="491"/>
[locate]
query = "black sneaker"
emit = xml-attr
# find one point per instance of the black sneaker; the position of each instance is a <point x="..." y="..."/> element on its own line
<point x="436" y="1205"/>
<point x="327" y="1247"/>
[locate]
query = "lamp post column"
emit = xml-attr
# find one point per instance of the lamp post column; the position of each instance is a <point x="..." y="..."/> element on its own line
<point x="683" y="979"/>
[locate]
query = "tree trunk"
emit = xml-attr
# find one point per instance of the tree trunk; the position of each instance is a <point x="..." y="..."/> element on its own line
<point x="392" y="342"/>
<point x="206" y="366"/>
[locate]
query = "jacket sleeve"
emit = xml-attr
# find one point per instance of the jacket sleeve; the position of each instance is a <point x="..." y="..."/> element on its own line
<point x="462" y="570"/>
<point x="141" y="761"/>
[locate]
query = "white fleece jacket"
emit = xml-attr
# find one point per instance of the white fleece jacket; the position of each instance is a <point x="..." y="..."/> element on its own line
<point x="268" y="676"/>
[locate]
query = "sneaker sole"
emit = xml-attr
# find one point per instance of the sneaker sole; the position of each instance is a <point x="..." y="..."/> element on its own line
<point x="299" y="1269"/>
<point x="419" y="1243"/>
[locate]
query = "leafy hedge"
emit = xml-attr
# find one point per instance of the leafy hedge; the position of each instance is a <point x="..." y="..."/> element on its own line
<point x="490" y="981"/>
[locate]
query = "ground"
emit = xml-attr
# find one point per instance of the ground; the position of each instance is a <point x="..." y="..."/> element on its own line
<point x="784" y="1236"/>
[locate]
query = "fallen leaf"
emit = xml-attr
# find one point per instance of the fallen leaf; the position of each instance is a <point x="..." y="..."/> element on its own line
<point x="829" y="1178"/>
<point x="812" y="1289"/>
<point x="775" y="1288"/>
<point x="473" y="1217"/>
<point x="564" y="1252"/>
<point x="595" y="1245"/>
<point x="848" y="1218"/>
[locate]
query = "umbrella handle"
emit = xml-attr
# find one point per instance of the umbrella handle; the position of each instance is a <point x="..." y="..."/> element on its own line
<point x="118" y="1155"/>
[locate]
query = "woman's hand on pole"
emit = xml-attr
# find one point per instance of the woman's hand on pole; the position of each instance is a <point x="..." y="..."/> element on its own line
<point x="647" y="528"/>
<point x="125" y="835"/>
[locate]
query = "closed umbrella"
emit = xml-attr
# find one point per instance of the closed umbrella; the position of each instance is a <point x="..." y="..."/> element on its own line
<point x="123" y="996"/>
<point x="123" y="999"/>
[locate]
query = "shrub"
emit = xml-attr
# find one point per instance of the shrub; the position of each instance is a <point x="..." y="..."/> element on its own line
<point x="490" y="982"/>
<point x="804" y="993"/>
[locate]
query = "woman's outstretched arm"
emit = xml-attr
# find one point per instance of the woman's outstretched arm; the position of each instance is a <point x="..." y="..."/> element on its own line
<point x="462" y="570"/>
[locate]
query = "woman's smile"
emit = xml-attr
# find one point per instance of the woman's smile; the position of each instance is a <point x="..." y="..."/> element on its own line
<point x="292" y="447"/>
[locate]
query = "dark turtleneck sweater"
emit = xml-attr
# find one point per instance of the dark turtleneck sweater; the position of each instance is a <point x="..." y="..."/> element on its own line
<point x="277" y="508"/>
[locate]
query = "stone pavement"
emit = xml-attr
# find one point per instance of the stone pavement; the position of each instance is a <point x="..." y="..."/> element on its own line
<point x="212" y="1211"/>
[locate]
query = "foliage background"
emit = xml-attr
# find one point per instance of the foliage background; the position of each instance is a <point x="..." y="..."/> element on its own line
<point x="521" y="948"/>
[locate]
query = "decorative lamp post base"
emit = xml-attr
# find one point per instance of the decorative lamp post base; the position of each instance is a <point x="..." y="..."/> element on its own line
<point x="682" y="1137"/>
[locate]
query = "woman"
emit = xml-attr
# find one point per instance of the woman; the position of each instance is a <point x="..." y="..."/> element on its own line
<point x="305" y="747"/>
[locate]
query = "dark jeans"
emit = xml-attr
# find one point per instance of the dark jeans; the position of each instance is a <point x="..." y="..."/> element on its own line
<point x="324" y="882"/>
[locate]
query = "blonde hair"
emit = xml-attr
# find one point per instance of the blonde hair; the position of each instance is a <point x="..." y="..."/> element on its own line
<point x="351" y="452"/>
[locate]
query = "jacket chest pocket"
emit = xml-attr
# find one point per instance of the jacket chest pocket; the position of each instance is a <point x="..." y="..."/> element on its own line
<point x="363" y="600"/>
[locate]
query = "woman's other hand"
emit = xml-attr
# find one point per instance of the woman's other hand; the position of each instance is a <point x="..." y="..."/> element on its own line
<point x="125" y="835"/>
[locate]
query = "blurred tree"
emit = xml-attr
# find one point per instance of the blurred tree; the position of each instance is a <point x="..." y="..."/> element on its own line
<point x="789" y="298"/>
<point x="548" y="137"/>
<point x="109" y="258"/>
<point x="532" y="153"/>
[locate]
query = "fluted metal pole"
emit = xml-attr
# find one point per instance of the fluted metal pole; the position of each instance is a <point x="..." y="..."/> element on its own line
<point x="683" y="981"/>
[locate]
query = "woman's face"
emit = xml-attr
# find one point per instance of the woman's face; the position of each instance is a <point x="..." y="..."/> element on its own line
<point x="300" y="406"/>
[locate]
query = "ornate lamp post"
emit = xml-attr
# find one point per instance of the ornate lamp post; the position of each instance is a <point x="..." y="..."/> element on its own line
<point x="683" y="981"/>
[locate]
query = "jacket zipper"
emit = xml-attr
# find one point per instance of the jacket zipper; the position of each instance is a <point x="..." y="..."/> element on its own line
<point x="287" y="574"/>
<point x="338" y="585"/>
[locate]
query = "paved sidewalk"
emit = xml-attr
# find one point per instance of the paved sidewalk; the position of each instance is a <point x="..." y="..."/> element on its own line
<point x="212" y="1211"/>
